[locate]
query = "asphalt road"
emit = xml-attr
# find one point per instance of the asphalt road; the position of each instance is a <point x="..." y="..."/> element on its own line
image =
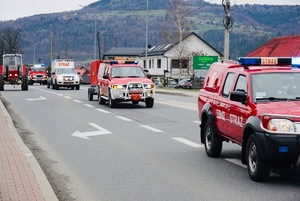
<point x="92" y="152"/>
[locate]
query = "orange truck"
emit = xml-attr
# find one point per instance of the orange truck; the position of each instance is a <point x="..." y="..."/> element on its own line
<point x="13" y="72"/>
<point x="121" y="81"/>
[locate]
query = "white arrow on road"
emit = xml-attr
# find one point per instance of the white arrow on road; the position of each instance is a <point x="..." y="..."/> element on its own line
<point x="35" y="99"/>
<point x="86" y="135"/>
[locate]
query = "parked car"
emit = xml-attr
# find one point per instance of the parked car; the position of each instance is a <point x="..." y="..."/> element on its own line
<point x="172" y="83"/>
<point x="184" y="84"/>
<point x="158" y="83"/>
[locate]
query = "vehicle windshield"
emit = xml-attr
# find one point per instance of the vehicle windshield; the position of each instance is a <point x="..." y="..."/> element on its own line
<point x="12" y="60"/>
<point x="65" y="71"/>
<point x="39" y="69"/>
<point x="275" y="86"/>
<point x="127" y="71"/>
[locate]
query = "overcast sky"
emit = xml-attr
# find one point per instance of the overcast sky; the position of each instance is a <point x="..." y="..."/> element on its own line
<point x="13" y="9"/>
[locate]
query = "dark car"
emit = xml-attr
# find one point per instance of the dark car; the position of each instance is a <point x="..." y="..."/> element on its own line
<point x="184" y="84"/>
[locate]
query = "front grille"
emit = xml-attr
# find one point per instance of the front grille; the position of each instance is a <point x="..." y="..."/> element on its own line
<point x="68" y="78"/>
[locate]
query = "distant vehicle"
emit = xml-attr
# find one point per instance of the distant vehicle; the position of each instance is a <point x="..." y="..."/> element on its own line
<point x="197" y="78"/>
<point x="63" y="75"/>
<point x="37" y="74"/>
<point x="13" y="72"/>
<point x="158" y="83"/>
<point x="184" y="84"/>
<point x="171" y="83"/>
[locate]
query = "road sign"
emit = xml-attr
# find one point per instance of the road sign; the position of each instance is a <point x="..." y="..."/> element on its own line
<point x="203" y="62"/>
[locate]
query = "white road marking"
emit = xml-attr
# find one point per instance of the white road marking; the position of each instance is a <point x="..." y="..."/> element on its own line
<point x="235" y="161"/>
<point x="184" y="105"/>
<point x="187" y="142"/>
<point x="124" y="118"/>
<point x="88" y="105"/>
<point x="67" y="96"/>
<point x="197" y="122"/>
<point x="151" y="128"/>
<point x="77" y="101"/>
<point x="59" y="94"/>
<point x="104" y="111"/>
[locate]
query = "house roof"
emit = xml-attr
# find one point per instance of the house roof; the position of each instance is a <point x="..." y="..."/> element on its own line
<point x="286" y="46"/>
<point x="124" y="51"/>
<point x="162" y="48"/>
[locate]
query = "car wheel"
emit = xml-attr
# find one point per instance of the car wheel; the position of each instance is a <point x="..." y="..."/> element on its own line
<point x="258" y="169"/>
<point x="1" y="83"/>
<point x="149" y="102"/>
<point x="112" y="103"/>
<point x="213" y="142"/>
<point x="91" y="93"/>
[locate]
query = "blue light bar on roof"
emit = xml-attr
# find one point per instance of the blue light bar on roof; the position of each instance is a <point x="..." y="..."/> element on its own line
<point x="252" y="61"/>
<point x="123" y="62"/>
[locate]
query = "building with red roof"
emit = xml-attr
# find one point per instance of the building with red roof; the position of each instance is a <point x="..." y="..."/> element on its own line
<point x="285" y="46"/>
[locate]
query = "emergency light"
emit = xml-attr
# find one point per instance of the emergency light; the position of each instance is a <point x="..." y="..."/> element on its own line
<point x="250" y="61"/>
<point x="122" y="62"/>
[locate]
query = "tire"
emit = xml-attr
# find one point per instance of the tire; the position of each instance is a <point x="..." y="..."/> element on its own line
<point x="1" y="83"/>
<point x="213" y="142"/>
<point x="56" y="86"/>
<point x="111" y="103"/>
<point x="101" y="100"/>
<point x="258" y="169"/>
<point x="77" y="87"/>
<point x="90" y="94"/>
<point x="24" y="86"/>
<point x="149" y="102"/>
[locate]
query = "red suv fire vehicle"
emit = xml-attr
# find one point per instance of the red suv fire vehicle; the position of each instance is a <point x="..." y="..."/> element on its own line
<point x="120" y="81"/>
<point x="254" y="103"/>
<point x="37" y="74"/>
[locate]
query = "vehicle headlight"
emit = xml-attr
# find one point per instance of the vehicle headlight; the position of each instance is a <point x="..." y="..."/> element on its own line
<point x="149" y="86"/>
<point x="130" y="85"/>
<point x="281" y="125"/>
<point x="118" y="86"/>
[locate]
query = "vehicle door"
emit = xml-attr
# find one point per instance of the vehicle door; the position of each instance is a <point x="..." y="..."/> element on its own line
<point x="238" y="112"/>
<point x="222" y="105"/>
<point x="104" y="84"/>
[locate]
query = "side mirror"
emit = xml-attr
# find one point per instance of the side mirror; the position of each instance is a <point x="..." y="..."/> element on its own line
<point x="238" y="96"/>
<point x="149" y="76"/>
<point x="53" y="73"/>
<point x="105" y="76"/>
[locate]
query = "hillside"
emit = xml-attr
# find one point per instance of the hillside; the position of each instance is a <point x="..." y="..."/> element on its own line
<point x="121" y="23"/>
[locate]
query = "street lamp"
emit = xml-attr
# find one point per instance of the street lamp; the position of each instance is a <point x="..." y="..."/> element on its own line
<point x="95" y="39"/>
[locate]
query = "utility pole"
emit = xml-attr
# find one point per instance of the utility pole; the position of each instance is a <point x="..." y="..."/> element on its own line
<point x="228" y="22"/>
<point x="146" y="50"/>
<point x="99" y="50"/>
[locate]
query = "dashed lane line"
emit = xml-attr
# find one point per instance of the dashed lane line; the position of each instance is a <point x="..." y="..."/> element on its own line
<point x="103" y="111"/>
<point x="187" y="142"/>
<point x="151" y="128"/>
<point x="77" y="101"/>
<point x="124" y="118"/>
<point x="88" y="105"/>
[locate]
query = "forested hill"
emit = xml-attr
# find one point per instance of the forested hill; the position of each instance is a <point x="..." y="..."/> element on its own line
<point x="121" y="23"/>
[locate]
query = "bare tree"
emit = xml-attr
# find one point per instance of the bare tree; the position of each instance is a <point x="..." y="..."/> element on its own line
<point x="10" y="40"/>
<point x="176" y="28"/>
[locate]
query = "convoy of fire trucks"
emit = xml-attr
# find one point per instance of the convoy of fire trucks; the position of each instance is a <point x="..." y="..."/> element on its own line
<point x="119" y="81"/>
<point x="63" y="74"/>
<point x="13" y="72"/>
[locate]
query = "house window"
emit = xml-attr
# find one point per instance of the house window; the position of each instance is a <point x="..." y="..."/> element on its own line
<point x="150" y="63"/>
<point x="175" y="63"/>
<point x="158" y="63"/>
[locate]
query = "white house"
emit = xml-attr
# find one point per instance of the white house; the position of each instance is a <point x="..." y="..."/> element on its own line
<point x="165" y="59"/>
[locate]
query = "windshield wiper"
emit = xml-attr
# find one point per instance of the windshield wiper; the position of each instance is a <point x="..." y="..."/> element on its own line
<point x="272" y="99"/>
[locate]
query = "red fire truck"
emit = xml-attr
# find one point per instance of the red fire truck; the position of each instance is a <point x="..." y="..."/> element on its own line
<point x="13" y="72"/>
<point x="120" y="81"/>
